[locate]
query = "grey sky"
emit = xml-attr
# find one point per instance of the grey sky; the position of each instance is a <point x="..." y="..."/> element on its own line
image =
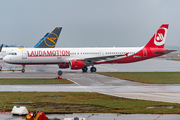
<point x="88" y="23"/>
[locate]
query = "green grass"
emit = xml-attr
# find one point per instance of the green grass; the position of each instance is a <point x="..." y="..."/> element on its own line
<point x="78" y="102"/>
<point x="147" y="77"/>
<point x="24" y="81"/>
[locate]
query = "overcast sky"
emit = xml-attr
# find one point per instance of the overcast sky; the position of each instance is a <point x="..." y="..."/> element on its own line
<point x="88" y="23"/>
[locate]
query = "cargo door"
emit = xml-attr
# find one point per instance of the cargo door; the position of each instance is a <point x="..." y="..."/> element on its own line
<point x="144" y="52"/>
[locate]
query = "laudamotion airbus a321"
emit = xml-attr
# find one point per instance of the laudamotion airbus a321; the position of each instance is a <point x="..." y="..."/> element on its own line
<point x="81" y="58"/>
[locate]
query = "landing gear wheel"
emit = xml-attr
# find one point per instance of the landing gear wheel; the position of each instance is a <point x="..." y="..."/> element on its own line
<point x="93" y="69"/>
<point x="60" y="72"/>
<point x="23" y="70"/>
<point x="85" y="69"/>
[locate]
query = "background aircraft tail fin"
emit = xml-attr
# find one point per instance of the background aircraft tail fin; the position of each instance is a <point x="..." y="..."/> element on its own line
<point x="41" y="40"/>
<point x="1" y="47"/>
<point x="50" y="40"/>
<point x="158" y="40"/>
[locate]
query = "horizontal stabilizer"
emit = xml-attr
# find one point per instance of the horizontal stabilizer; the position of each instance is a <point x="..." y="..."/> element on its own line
<point x="165" y="51"/>
<point x="174" y="59"/>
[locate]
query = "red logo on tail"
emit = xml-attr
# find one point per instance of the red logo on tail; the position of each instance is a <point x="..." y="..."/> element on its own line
<point x="159" y="37"/>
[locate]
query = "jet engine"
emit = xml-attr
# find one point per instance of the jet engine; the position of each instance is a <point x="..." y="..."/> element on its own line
<point x="76" y="64"/>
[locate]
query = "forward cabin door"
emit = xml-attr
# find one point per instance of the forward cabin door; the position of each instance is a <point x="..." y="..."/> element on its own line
<point x="24" y="54"/>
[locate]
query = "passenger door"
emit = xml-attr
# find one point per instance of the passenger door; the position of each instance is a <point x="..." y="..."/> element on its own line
<point x="24" y="54"/>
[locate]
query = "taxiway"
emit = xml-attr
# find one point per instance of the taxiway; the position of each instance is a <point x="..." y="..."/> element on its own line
<point x="93" y="82"/>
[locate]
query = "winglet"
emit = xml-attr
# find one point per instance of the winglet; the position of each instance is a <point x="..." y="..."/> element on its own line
<point x="1" y="47"/>
<point x="51" y="40"/>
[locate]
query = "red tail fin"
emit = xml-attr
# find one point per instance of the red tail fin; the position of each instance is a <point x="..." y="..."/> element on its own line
<point x="158" y="40"/>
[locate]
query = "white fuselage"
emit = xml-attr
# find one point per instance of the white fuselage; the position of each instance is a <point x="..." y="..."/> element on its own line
<point x="6" y="50"/>
<point x="64" y="55"/>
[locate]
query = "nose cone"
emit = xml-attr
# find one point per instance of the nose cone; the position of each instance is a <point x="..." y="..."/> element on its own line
<point x="7" y="59"/>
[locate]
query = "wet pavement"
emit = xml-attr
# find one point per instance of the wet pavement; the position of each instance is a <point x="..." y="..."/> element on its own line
<point x="100" y="116"/>
<point x="150" y="65"/>
<point x="92" y="82"/>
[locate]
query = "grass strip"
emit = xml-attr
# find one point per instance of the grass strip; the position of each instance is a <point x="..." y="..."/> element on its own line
<point x="81" y="102"/>
<point x="147" y="77"/>
<point x="23" y="81"/>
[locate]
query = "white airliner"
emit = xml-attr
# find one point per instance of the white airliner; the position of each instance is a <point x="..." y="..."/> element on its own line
<point x="81" y="58"/>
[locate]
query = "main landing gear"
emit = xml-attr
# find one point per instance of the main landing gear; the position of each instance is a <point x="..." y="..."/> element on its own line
<point x="85" y="69"/>
<point x="93" y="69"/>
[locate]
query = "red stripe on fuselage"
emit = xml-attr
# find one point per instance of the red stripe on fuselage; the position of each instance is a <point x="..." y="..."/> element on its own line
<point x="139" y="56"/>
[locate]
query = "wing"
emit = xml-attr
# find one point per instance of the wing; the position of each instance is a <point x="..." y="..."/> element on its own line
<point x="95" y="59"/>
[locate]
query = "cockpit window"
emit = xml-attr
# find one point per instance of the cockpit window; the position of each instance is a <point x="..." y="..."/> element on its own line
<point x="12" y="53"/>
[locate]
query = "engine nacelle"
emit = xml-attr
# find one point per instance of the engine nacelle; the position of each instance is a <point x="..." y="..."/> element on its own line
<point x="63" y="65"/>
<point x="76" y="64"/>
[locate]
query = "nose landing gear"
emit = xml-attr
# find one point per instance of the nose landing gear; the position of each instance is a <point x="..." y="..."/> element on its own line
<point x="23" y="69"/>
<point x="60" y="72"/>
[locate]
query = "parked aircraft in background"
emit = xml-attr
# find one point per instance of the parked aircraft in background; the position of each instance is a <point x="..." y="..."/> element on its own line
<point x="41" y="40"/>
<point x="48" y="41"/>
<point x="81" y="58"/>
<point x="1" y="47"/>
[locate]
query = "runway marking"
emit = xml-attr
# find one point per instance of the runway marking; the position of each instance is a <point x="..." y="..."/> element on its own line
<point x="108" y="68"/>
<point x="172" y="95"/>
<point x="146" y="96"/>
<point x="94" y="81"/>
<point x="78" y="84"/>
